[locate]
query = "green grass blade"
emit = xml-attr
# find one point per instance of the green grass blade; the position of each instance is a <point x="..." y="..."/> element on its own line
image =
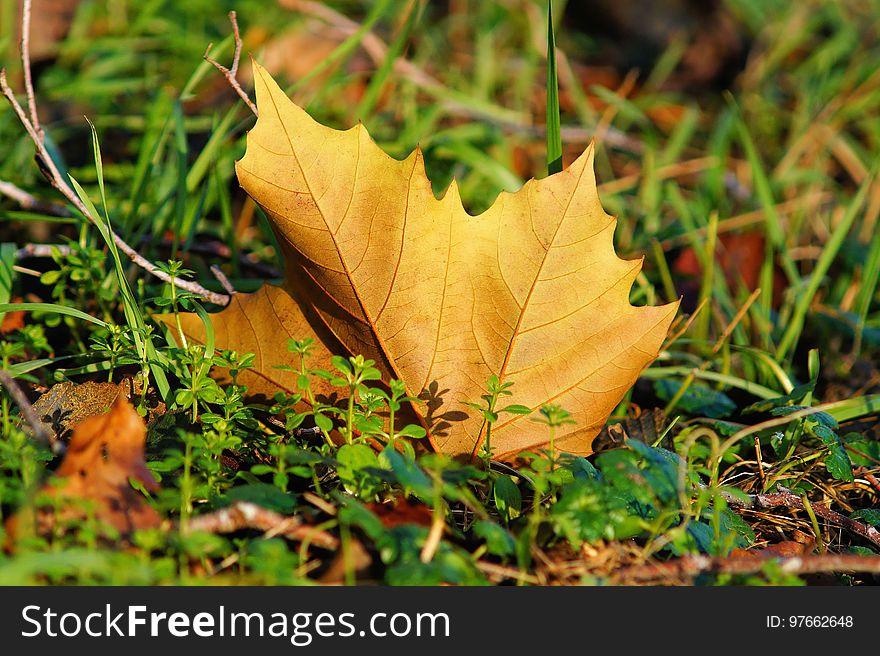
<point x="7" y="260"/>
<point x="213" y="149"/>
<point x="371" y="95"/>
<point x="627" y="110"/>
<point x="765" y="195"/>
<point x="205" y="67"/>
<point x="554" y="123"/>
<point x="796" y="324"/>
<point x="707" y="282"/>
<point x="52" y="307"/>
<point x="181" y="151"/>
<point x="345" y="48"/>
<point x="22" y="368"/>
<point x="150" y="155"/>
<point x="209" y="338"/>
<point x="224" y="205"/>
<point x="664" y="373"/>
<point x="18" y="215"/>
<point x="680" y="138"/>
<point x="501" y="176"/>
<point x="130" y="306"/>
<point x="104" y="229"/>
<point x="133" y="317"/>
<point x="91" y="368"/>
<point x="870" y="280"/>
<point x="663" y="269"/>
<point x="853" y="408"/>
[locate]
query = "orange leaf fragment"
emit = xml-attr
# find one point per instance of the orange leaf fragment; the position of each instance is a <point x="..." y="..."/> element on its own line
<point x="105" y="451"/>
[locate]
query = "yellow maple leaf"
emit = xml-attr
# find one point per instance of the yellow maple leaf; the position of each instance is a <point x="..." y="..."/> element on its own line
<point x="531" y="290"/>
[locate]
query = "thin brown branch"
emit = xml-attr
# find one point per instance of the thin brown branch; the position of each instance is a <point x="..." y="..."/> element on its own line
<point x="31" y="202"/>
<point x="679" y="169"/>
<point x="222" y="279"/>
<point x="41" y="250"/>
<point x="26" y="67"/>
<point x="789" y="499"/>
<point x="230" y="73"/>
<point x="865" y="473"/>
<point x="29" y="414"/>
<point x="236" y="56"/>
<point x="499" y="573"/>
<point x="809" y="201"/>
<point x="688" y="567"/>
<point x="320" y="503"/>
<point x="219" y="249"/>
<point x="243" y="515"/>
<point x="435" y="534"/>
<point x="61" y="185"/>
<point x="213" y="248"/>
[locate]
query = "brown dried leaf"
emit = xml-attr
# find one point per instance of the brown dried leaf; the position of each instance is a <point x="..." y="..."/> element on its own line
<point x="643" y="425"/>
<point x="402" y="512"/>
<point x="66" y="404"/>
<point x="105" y="451"/>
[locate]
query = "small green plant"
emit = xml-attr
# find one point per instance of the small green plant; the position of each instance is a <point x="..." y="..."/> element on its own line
<point x="553" y="416"/>
<point x="395" y="399"/>
<point x="353" y="374"/>
<point x="495" y="390"/>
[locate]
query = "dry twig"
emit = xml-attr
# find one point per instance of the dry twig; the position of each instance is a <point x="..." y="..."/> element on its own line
<point x="213" y="248"/>
<point x="690" y="566"/>
<point x="245" y="515"/>
<point x="320" y="503"/>
<point x="230" y="73"/>
<point x="222" y="279"/>
<point x="41" y="250"/>
<point x="435" y="534"/>
<point x="499" y="573"/>
<point x="791" y="500"/>
<point x="31" y="202"/>
<point x="809" y="201"/>
<point x="26" y="66"/>
<point x="29" y="414"/>
<point x="868" y="476"/>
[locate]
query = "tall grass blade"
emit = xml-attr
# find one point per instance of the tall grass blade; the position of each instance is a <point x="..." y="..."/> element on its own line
<point x="796" y="325"/>
<point x="377" y="82"/>
<point x="7" y="260"/>
<point x="345" y="48"/>
<point x="554" y="124"/>
<point x="131" y="309"/>
<point x="51" y="307"/>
